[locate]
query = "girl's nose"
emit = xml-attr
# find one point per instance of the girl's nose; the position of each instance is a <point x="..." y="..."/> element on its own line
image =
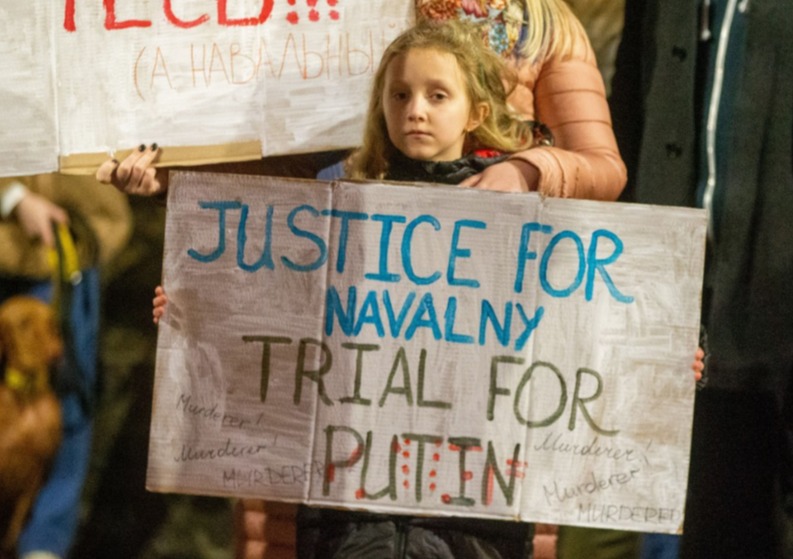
<point x="416" y="109"/>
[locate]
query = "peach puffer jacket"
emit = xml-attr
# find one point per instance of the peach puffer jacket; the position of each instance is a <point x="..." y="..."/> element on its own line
<point x="567" y="94"/>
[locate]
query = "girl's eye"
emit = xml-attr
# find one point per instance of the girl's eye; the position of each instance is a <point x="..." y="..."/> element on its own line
<point x="399" y="95"/>
<point x="439" y="96"/>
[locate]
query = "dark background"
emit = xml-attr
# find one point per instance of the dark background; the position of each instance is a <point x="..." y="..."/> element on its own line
<point x="120" y="519"/>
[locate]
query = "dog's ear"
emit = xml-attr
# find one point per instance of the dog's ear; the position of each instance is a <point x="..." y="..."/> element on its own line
<point x="7" y="308"/>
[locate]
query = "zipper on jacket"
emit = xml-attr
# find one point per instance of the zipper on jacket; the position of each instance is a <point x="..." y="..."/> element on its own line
<point x="713" y="108"/>
<point x="401" y="538"/>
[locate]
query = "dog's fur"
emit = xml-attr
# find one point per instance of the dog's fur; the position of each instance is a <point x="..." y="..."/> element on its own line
<point x="30" y="415"/>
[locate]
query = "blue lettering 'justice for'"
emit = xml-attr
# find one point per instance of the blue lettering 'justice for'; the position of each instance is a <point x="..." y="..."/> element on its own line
<point x="605" y="247"/>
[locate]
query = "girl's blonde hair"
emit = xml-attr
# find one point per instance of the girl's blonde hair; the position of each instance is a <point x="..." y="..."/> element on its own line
<point x="488" y="80"/>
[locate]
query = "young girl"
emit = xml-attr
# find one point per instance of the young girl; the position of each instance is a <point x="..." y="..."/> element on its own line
<point x="438" y="98"/>
<point x="439" y="94"/>
<point x="438" y="112"/>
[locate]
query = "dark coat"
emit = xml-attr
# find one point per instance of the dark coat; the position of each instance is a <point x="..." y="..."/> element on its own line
<point x="336" y="534"/>
<point x="748" y="306"/>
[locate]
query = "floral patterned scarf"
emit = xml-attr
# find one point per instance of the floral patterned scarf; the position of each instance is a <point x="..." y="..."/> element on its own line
<point x="501" y="21"/>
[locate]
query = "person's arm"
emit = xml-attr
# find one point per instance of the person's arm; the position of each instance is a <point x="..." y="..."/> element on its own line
<point x="570" y="99"/>
<point x="565" y="93"/>
<point x="34" y="213"/>
<point x="11" y="193"/>
<point x="136" y="174"/>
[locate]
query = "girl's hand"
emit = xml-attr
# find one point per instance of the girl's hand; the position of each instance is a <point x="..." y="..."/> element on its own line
<point x="512" y="175"/>
<point x="159" y="302"/>
<point x="699" y="364"/>
<point x="136" y="174"/>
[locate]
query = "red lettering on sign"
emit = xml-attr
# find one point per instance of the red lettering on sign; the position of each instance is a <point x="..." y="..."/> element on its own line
<point x="223" y="18"/>
<point x="68" y="17"/>
<point x="170" y="16"/>
<point x="112" y="23"/>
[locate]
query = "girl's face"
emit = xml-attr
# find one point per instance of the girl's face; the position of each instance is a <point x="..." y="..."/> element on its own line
<point x="426" y="105"/>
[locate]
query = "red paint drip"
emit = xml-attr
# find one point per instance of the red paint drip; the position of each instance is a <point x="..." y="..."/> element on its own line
<point x="356" y="455"/>
<point x="112" y="23"/>
<point x="68" y="17"/>
<point x="292" y="18"/>
<point x="489" y="490"/>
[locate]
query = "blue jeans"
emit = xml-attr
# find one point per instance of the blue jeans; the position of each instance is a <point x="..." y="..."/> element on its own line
<point x="660" y="546"/>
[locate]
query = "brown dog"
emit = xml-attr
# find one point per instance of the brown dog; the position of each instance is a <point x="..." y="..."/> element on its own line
<point x="30" y="415"/>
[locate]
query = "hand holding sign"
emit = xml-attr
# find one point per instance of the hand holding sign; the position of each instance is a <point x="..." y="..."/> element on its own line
<point x="159" y="302"/>
<point x="136" y="173"/>
<point x="513" y="175"/>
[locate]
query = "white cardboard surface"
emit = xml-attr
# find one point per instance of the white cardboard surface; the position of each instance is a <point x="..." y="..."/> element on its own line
<point x="95" y="77"/>
<point x="337" y="348"/>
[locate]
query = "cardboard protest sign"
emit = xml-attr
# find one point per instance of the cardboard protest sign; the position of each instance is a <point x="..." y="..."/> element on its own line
<point x="427" y="349"/>
<point x="237" y="78"/>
